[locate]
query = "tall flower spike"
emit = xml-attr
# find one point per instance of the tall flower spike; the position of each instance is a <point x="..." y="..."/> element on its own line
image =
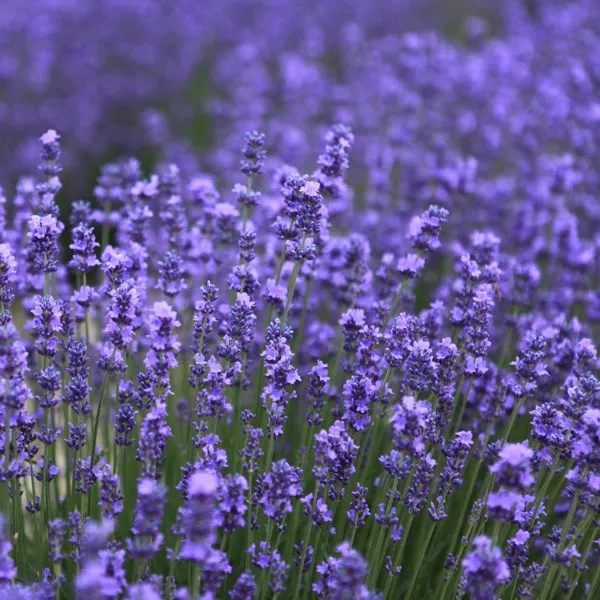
<point x="84" y="249"/>
<point x="8" y="571"/>
<point x="147" y="538"/>
<point x="343" y="576"/>
<point x="43" y="235"/>
<point x="424" y="231"/>
<point x="254" y="154"/>
<point x="197" y="517"/>
<point x="484" y="569"/>
<point x="50" y="168"/>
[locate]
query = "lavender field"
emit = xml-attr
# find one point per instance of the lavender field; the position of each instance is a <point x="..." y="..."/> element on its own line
<point x="299" y="300"/>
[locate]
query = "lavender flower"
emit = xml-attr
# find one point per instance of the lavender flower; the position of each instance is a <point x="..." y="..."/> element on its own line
<point x="197" y="518"/>
<point x="8" y="570"/>
<point x="46" y="322"/>
<point x="277" y="488"/>
<point x="43" y="235"/>
<point x="84" y="249"/>
<point x="484" y="569"/>
<point x="147" y="538"/>
<point x="245" y="587"/>
<point x="264" y="557"/>
<point x="424" y="231"/>
<point x="335" y="453"/>
<point x="153" y="440"/>
<point x="342" y="577"/>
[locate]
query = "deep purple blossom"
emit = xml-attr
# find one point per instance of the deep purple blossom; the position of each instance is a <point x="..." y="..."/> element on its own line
<point x="278" y="488"/>
<point x="43" y="235"/>
<point x="343" y="576"/>
<point x="424" y="231"/>
<point x="335" y="453"/>
<point x="197" y="518"/>
<point x="244" y="588"/>
<point x="153" y="440"/>
<point x="146" y="537"/>
<point x="484" y="569"/>
<point x="264" y="557"/>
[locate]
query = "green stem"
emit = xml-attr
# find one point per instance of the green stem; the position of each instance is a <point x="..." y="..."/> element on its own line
<point x="398" y="555"/>
<point x="549" y="579"/>
<point x="315" y="560"/>
<point x="423" y="550"/>
<point x="305" y="549"/>
<point x="383" y="541"/>
<point x="461" y="411"/>
<point x="249" y="532"/>
<point x="96" y="424"/>
<point x="594" y="584"/>
<point x="290" y="292"/>
<point x="300" y="334"/>
<point x="585" y="553"/>
<point x="45" y="482"/>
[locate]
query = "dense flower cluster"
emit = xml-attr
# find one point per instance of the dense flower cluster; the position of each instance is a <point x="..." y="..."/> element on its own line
<point x="352" y="356"/>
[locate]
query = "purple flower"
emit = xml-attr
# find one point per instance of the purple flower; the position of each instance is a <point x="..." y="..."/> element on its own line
<point x="529" y="366"/>
<point x="409" y="421"/>
<point x="125" y="422"/>
<point x="343" y="576"/>
<point x="43" y="235"/>
<point x="358" y="510"/>
<point x="232" y="506"/>
<point x="102" y="577"/>
<point x="334" y="161"/>
<point x="277" y="489"/>
<point x="115" y="265"/>
<point x="279" y="375"/>
<point x="8" y="571"/>
<point x="424" y="231"/>
<point x="244" y="588"/>
<point x="76" y="391"/>
<point x="147" y="538"/>
<point x="450" y="478"/>
<point x="513" y="469"/>
<point x="359" y="396"/>
<point x="46" y="323"/>
<point x="164" y="346"/>
<point x="517" y="551"/>
<point x="57" y="531"/>
<point x="254" y="154"/>
<point x="214" y="571"/>
<point x="484" y="569"/>
<point x="240" y="326"/>
<point x="143" y="591"/>
<point x="84" y="249"/>
<point x="419" y="488"/>
<point x="352" y="322"/>
<point x="264" y="557"/>
<point x="13" y="366"/>
<point x="335" y="453"/>
<point x="410" y="265"/>
<point x="252" y="451"/>
<point x="197" y="517"/>
<point x="303" y="202"/>
<point x="171" y="280"/>
<point x="121" y="315"/>
<point x="549" y="425"/>
<point x="318" y="510"/>
<point x="318" y="378"/>
<point x="153" y="441"/>
<point x="111" y="497"/>
<point x="8" y="272"/>
<point x="274" y="294"/>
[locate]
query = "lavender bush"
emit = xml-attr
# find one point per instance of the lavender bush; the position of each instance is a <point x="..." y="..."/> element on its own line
<point x="345" y="351"/>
